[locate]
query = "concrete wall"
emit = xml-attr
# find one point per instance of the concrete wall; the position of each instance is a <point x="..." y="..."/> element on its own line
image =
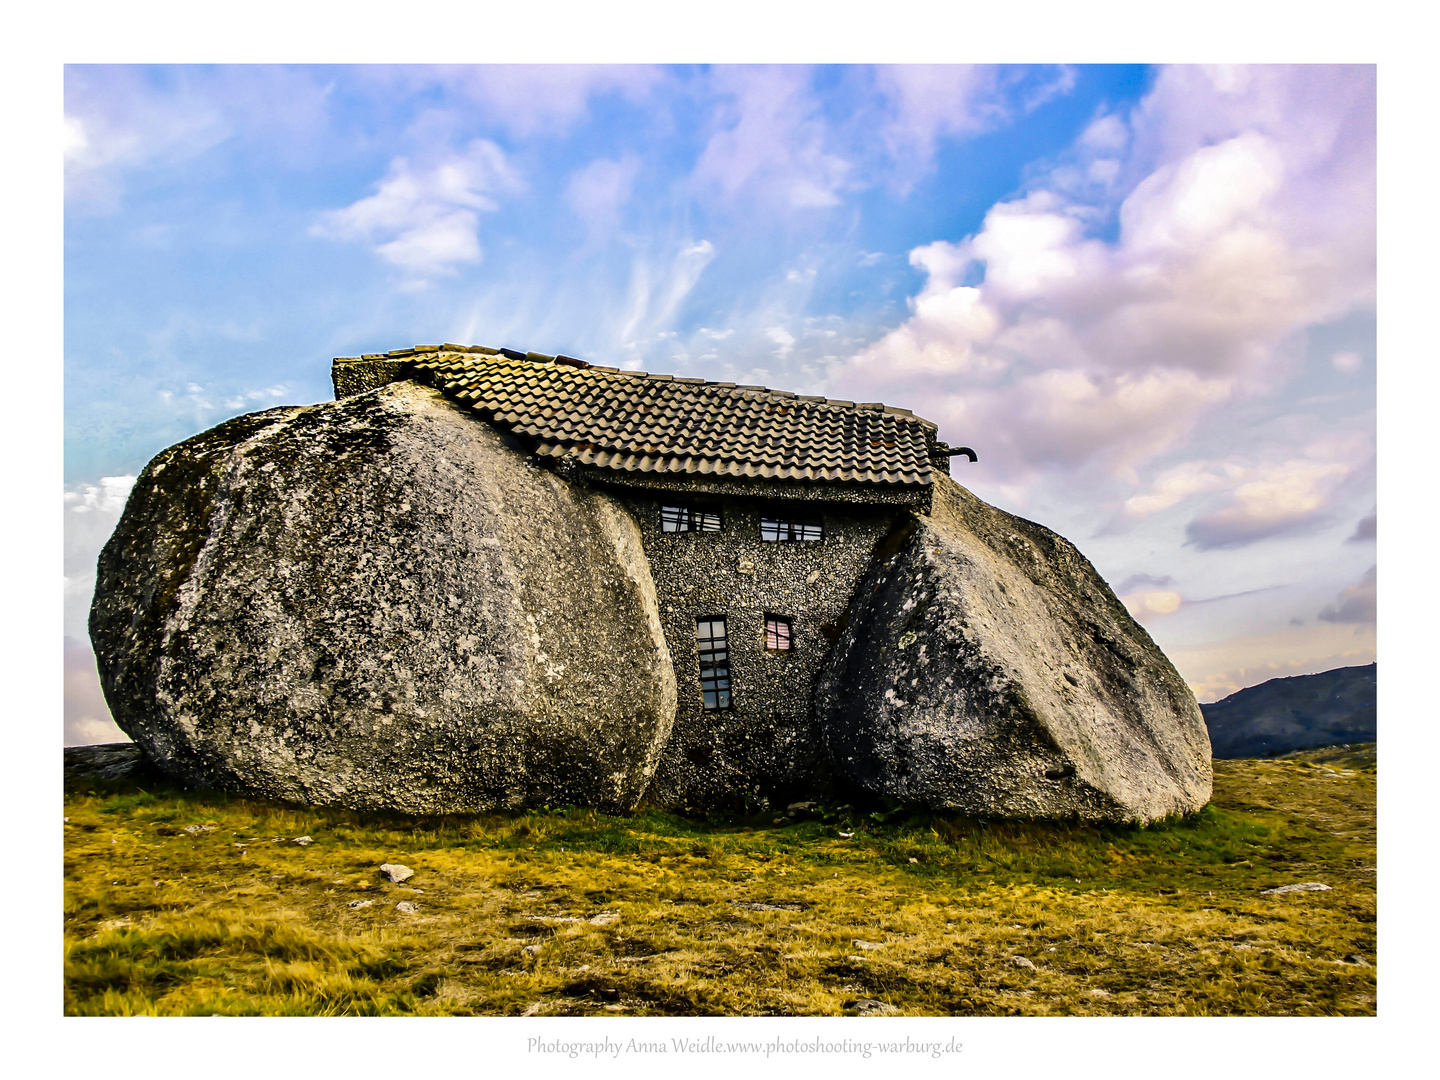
<point x="766" y="747"/>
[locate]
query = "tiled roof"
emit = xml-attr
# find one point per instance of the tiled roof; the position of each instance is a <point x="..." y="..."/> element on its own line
<point x="631" y="421"/>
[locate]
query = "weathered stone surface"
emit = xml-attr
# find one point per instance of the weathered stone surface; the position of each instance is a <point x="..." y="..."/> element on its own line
<point x="397" y="872"/>
<point x="109" y="761"/>
<point x="766" y="748"/>
<point x="378" y="602"/>
<point x="988" y="669"/>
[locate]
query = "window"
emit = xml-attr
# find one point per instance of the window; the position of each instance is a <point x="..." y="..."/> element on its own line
<point x="714" y="662"/>
<point x="787" y="531"/>
<point x="777" y="633"/>
<point x="676" y="519"/>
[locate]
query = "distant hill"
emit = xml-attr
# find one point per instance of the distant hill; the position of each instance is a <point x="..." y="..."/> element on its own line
<point x="1291" y="714"/>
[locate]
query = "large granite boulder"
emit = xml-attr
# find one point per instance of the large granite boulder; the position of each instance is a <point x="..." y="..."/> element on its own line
<point x="987" y="669"/>
<point x="377" y="602"/>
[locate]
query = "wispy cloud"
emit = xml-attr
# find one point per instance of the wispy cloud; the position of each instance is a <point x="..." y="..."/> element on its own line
<point x="597" y="194"/>
<point x="770" y="141"/>
<point x="925" y="102"/>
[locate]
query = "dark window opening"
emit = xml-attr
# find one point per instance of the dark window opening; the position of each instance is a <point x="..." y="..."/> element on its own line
<point x="790" y="531"/>
<point x="714" y="662"/>
<point x="675" y="519"/>
<point x="777" y="633"/>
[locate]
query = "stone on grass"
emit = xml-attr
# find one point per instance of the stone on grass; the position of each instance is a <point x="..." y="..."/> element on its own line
<point x="870" y="1007"/>
<point x="379" y="602"/>
<point x="1022" y="962"/>
<point x="357" y="904"/>
<point x="1303" y="886"/>
<point x="987" y="668"/>
<point x="397" y="872"/>
<point x="405" y="907"/>
<point x="869" y="944"/>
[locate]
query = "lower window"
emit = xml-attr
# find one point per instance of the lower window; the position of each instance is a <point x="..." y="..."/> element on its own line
<point x="774" y="531"/>
<point x="714" y="662"/>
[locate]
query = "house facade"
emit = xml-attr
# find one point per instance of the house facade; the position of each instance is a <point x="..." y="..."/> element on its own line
<point x="759" y="511"/>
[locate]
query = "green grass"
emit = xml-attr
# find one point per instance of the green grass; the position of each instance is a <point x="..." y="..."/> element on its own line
<point x="575" y="912"/>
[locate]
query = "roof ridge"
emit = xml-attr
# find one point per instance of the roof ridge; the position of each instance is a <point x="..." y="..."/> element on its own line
<point x="543" y="359"/>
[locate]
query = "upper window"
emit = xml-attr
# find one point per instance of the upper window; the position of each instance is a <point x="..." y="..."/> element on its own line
<point x="688" y="519"/>
<point x="784" y="531"/>
<point x="777" y="633"/>
<point x="714" y="652"/>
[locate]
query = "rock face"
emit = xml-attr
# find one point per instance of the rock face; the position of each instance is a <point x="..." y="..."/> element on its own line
<point x="987" y="669"/>
<point x="377" y="602"/>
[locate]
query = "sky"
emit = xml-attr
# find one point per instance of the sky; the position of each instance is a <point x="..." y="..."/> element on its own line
<point x="1145" y="295"/>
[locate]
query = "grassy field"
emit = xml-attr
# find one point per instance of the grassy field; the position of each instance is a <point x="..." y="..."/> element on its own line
<point x="180" y="902"/>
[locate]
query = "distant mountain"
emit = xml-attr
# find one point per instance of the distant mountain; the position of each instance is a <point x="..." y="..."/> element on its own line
<point x="1291" y="714"/>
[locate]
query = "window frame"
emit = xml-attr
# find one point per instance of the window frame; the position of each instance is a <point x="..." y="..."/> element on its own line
<point x="791" y="530"/>
<point x="786" y="640"/>
<point x="690" y="518"/>
<point x="720" y="694"/>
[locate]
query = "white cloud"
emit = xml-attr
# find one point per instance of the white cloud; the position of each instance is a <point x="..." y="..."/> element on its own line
<point x="535" y="99"/>
<point x="1045" y="346"/>
<point x="1145" y="604"/>
<point x="1177" y="484"/>
<point x="782" y="338"/>
<point x="1271" y="501"/>
<point x="426" y="220"/>
<point x="1347" y="362"/>
<point x="115" y="122"/>
<point x="91" y="513"/>
<point x="770" y="141"/>
<point x="598" y="193"/>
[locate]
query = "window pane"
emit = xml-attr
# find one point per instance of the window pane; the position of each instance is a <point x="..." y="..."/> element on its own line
<point x="714" y="656"/>
<point x="777" y="633"/>
<point x="676" y="519"/>
<point x="774" y="530"/>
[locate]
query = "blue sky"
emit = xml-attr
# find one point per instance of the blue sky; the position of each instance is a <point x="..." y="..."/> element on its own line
<point x="1145" y="295"/>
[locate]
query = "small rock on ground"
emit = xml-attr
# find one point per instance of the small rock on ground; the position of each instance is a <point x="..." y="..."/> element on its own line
<point x="396" y="872"/>
<point x="605" y="918"/>
<point x="753" y="906"/>
<point x="870" y="1007"/>
<point x="1304" y="886"/>
<point x="869" y="944"/>
<point x="357" y="904"/>
<point x="1356" y="958"/>
<point x="405" y="907"/>
<point x="302" y="840"/>
<point x="1021" y="962"/>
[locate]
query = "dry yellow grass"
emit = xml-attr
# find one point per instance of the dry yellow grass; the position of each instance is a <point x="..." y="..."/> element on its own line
<point x="579" y="913"/>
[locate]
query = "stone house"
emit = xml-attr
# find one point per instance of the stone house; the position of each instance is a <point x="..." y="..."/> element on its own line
<point x="483" y="579"/>
<point x="760" y="511"/>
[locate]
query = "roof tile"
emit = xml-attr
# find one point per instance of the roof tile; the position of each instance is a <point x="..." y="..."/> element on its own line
<point x="633" y="421"/>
